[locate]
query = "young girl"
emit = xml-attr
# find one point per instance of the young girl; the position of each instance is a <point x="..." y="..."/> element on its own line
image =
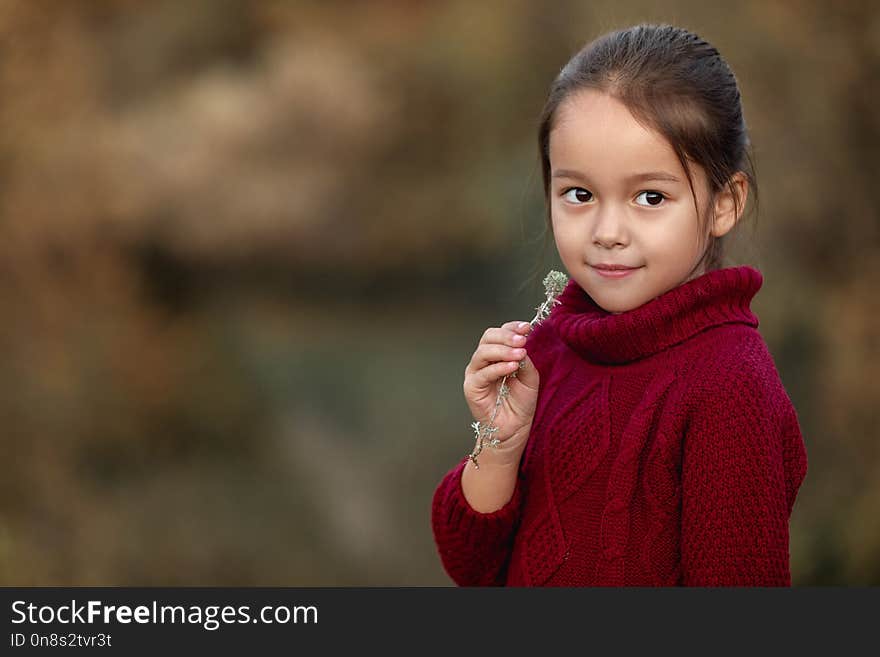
<point x="648" y="441"/>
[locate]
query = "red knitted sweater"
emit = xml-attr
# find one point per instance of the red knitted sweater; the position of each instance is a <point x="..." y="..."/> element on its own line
<point x="664" y="451"/>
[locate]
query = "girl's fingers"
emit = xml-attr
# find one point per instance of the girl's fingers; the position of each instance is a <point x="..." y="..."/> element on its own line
<point x="506" y="334"/>
<point x="490" y="374"/>
<point x="517" y="326"/>
<point x="487" y="354"/>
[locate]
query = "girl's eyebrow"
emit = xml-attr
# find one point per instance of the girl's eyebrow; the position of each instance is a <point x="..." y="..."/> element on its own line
<point x="638" y="177"/>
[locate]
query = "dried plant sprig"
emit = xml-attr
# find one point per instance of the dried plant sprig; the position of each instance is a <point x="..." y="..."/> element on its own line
<point x="554" y="284"/>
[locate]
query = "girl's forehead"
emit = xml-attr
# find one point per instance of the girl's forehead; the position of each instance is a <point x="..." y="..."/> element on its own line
<point x="594" y="127"/>
<point x="594" y="114"/>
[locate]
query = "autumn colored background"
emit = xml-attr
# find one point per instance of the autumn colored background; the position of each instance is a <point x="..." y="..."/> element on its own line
<point x="247" y="248"/>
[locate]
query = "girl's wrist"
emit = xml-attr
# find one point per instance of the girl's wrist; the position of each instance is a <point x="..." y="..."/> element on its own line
<point x="508" y="453"/>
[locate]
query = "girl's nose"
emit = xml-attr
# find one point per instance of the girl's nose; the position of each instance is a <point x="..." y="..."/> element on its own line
<point x="609" y="230"/>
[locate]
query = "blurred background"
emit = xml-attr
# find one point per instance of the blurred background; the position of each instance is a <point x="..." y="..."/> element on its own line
<point x="247" y="248"/>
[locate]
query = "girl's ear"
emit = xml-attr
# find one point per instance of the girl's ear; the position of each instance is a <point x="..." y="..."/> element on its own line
<point x="726" y="211"/>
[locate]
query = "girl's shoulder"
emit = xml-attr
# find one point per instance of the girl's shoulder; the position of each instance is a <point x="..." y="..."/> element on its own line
<point x="737" y="341"/>
<point x="734" y="366"/>
<point x="733" y="343"/>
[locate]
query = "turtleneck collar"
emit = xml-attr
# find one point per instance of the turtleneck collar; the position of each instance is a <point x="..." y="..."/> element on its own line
<point x="721" y="296"/>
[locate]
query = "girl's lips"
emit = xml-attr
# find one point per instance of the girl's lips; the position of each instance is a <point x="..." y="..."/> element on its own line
<point x="615" y="273"/>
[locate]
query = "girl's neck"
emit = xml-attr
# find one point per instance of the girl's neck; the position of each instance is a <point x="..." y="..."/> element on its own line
<point x="720" y="296"/>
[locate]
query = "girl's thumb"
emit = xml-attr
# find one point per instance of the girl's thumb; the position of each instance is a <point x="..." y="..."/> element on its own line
<point x="528" y="373"/>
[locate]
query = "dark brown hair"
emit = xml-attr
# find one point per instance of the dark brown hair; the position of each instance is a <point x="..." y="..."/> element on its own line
<point x="675" y="83"/>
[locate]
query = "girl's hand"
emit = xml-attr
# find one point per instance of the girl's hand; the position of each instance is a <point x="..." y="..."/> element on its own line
<point x="498" y="354"/>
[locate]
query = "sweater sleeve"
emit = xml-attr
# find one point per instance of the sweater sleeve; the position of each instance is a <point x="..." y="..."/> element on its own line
<point x="474" y="547"/>
<point x="742" y="463"/>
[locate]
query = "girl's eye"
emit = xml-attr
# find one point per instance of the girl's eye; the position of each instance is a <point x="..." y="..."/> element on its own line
<point x="582" y="195"/>
<point x="653" y="198"/>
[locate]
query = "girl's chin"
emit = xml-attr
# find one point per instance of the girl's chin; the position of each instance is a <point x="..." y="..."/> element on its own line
<point x="615" y="307"/>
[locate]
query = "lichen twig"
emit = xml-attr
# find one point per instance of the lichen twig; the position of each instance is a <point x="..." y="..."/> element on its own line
<point x="554" y="284"/>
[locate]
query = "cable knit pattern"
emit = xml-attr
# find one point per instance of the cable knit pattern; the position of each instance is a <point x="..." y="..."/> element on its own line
<point x="664" y="451"/>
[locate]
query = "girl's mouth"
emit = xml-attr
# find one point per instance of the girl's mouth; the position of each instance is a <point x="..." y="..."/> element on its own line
<point x="615" y="273"/>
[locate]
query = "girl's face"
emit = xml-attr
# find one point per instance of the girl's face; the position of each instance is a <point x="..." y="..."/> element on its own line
<point x="619" y="196"/>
